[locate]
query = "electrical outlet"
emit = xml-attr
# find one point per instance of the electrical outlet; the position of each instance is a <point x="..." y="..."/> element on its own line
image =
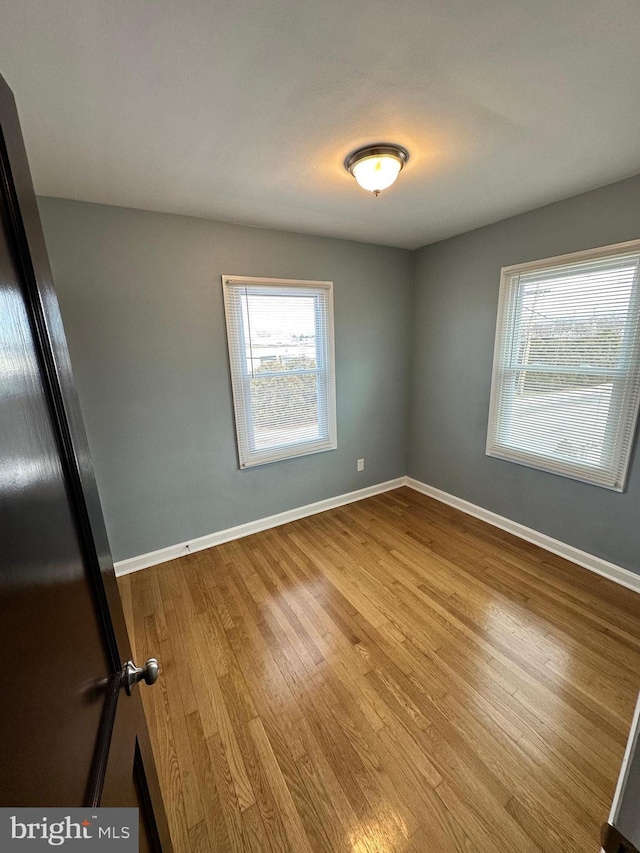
<point x="360" y="465"/>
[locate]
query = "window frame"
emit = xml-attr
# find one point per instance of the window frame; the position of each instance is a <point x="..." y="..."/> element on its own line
<point x="241" y="385"/>
<point x="623" y="401"/>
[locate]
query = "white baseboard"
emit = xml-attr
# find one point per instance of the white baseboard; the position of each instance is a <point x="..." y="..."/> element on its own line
<point x="625" y="577"/>
<point x="163" y="555"/>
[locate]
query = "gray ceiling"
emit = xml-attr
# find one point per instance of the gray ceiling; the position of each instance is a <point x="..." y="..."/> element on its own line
<point x="244" y="111"/>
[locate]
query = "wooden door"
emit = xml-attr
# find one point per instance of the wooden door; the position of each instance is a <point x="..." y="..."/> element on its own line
<point x="70" y="735"/>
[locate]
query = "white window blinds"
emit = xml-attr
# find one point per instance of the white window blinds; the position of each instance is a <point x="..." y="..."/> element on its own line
<point x="566" y="373"/>
<point x="281" y="353"/>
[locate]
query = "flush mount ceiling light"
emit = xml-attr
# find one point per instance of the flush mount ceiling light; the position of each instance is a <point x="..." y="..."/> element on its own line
<point x="376" y="167"/>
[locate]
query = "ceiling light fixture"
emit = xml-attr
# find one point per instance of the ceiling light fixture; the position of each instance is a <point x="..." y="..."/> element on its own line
<point x="376" y="167"/>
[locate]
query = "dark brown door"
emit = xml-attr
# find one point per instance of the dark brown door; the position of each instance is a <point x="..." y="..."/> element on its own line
<point x="70" y="735"/>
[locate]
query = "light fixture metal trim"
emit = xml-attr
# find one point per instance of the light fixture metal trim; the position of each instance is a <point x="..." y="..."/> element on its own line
<point x="389" y="149"/>
<point x="386" y="149"/>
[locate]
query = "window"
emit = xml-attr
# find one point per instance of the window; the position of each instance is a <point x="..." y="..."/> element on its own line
<point x="280" y="336"/>
<point x="566" y="372"/>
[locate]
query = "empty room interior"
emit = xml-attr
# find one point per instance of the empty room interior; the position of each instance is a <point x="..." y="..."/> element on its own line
<point x="351" y="296"/>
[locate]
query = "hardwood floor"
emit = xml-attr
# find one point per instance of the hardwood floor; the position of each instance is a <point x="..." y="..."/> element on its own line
<point x="389" y="676"/>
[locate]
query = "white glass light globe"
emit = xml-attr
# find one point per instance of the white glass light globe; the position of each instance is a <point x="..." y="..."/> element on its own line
<point x="377" y="172"/>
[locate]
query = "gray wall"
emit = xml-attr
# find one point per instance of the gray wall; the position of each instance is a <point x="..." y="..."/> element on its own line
<point x="141" y="299"/>
<point x="455" y="306"/>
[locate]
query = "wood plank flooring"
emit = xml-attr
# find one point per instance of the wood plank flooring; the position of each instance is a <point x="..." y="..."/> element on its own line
<point x="390" y="676"/>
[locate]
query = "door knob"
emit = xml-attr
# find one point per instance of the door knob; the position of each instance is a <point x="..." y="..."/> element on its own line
<point x="133" y="674"/>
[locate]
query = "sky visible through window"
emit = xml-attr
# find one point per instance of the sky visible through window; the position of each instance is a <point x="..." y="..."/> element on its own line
<point x="276" y="324"/>
<point x="578" y="296"/>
